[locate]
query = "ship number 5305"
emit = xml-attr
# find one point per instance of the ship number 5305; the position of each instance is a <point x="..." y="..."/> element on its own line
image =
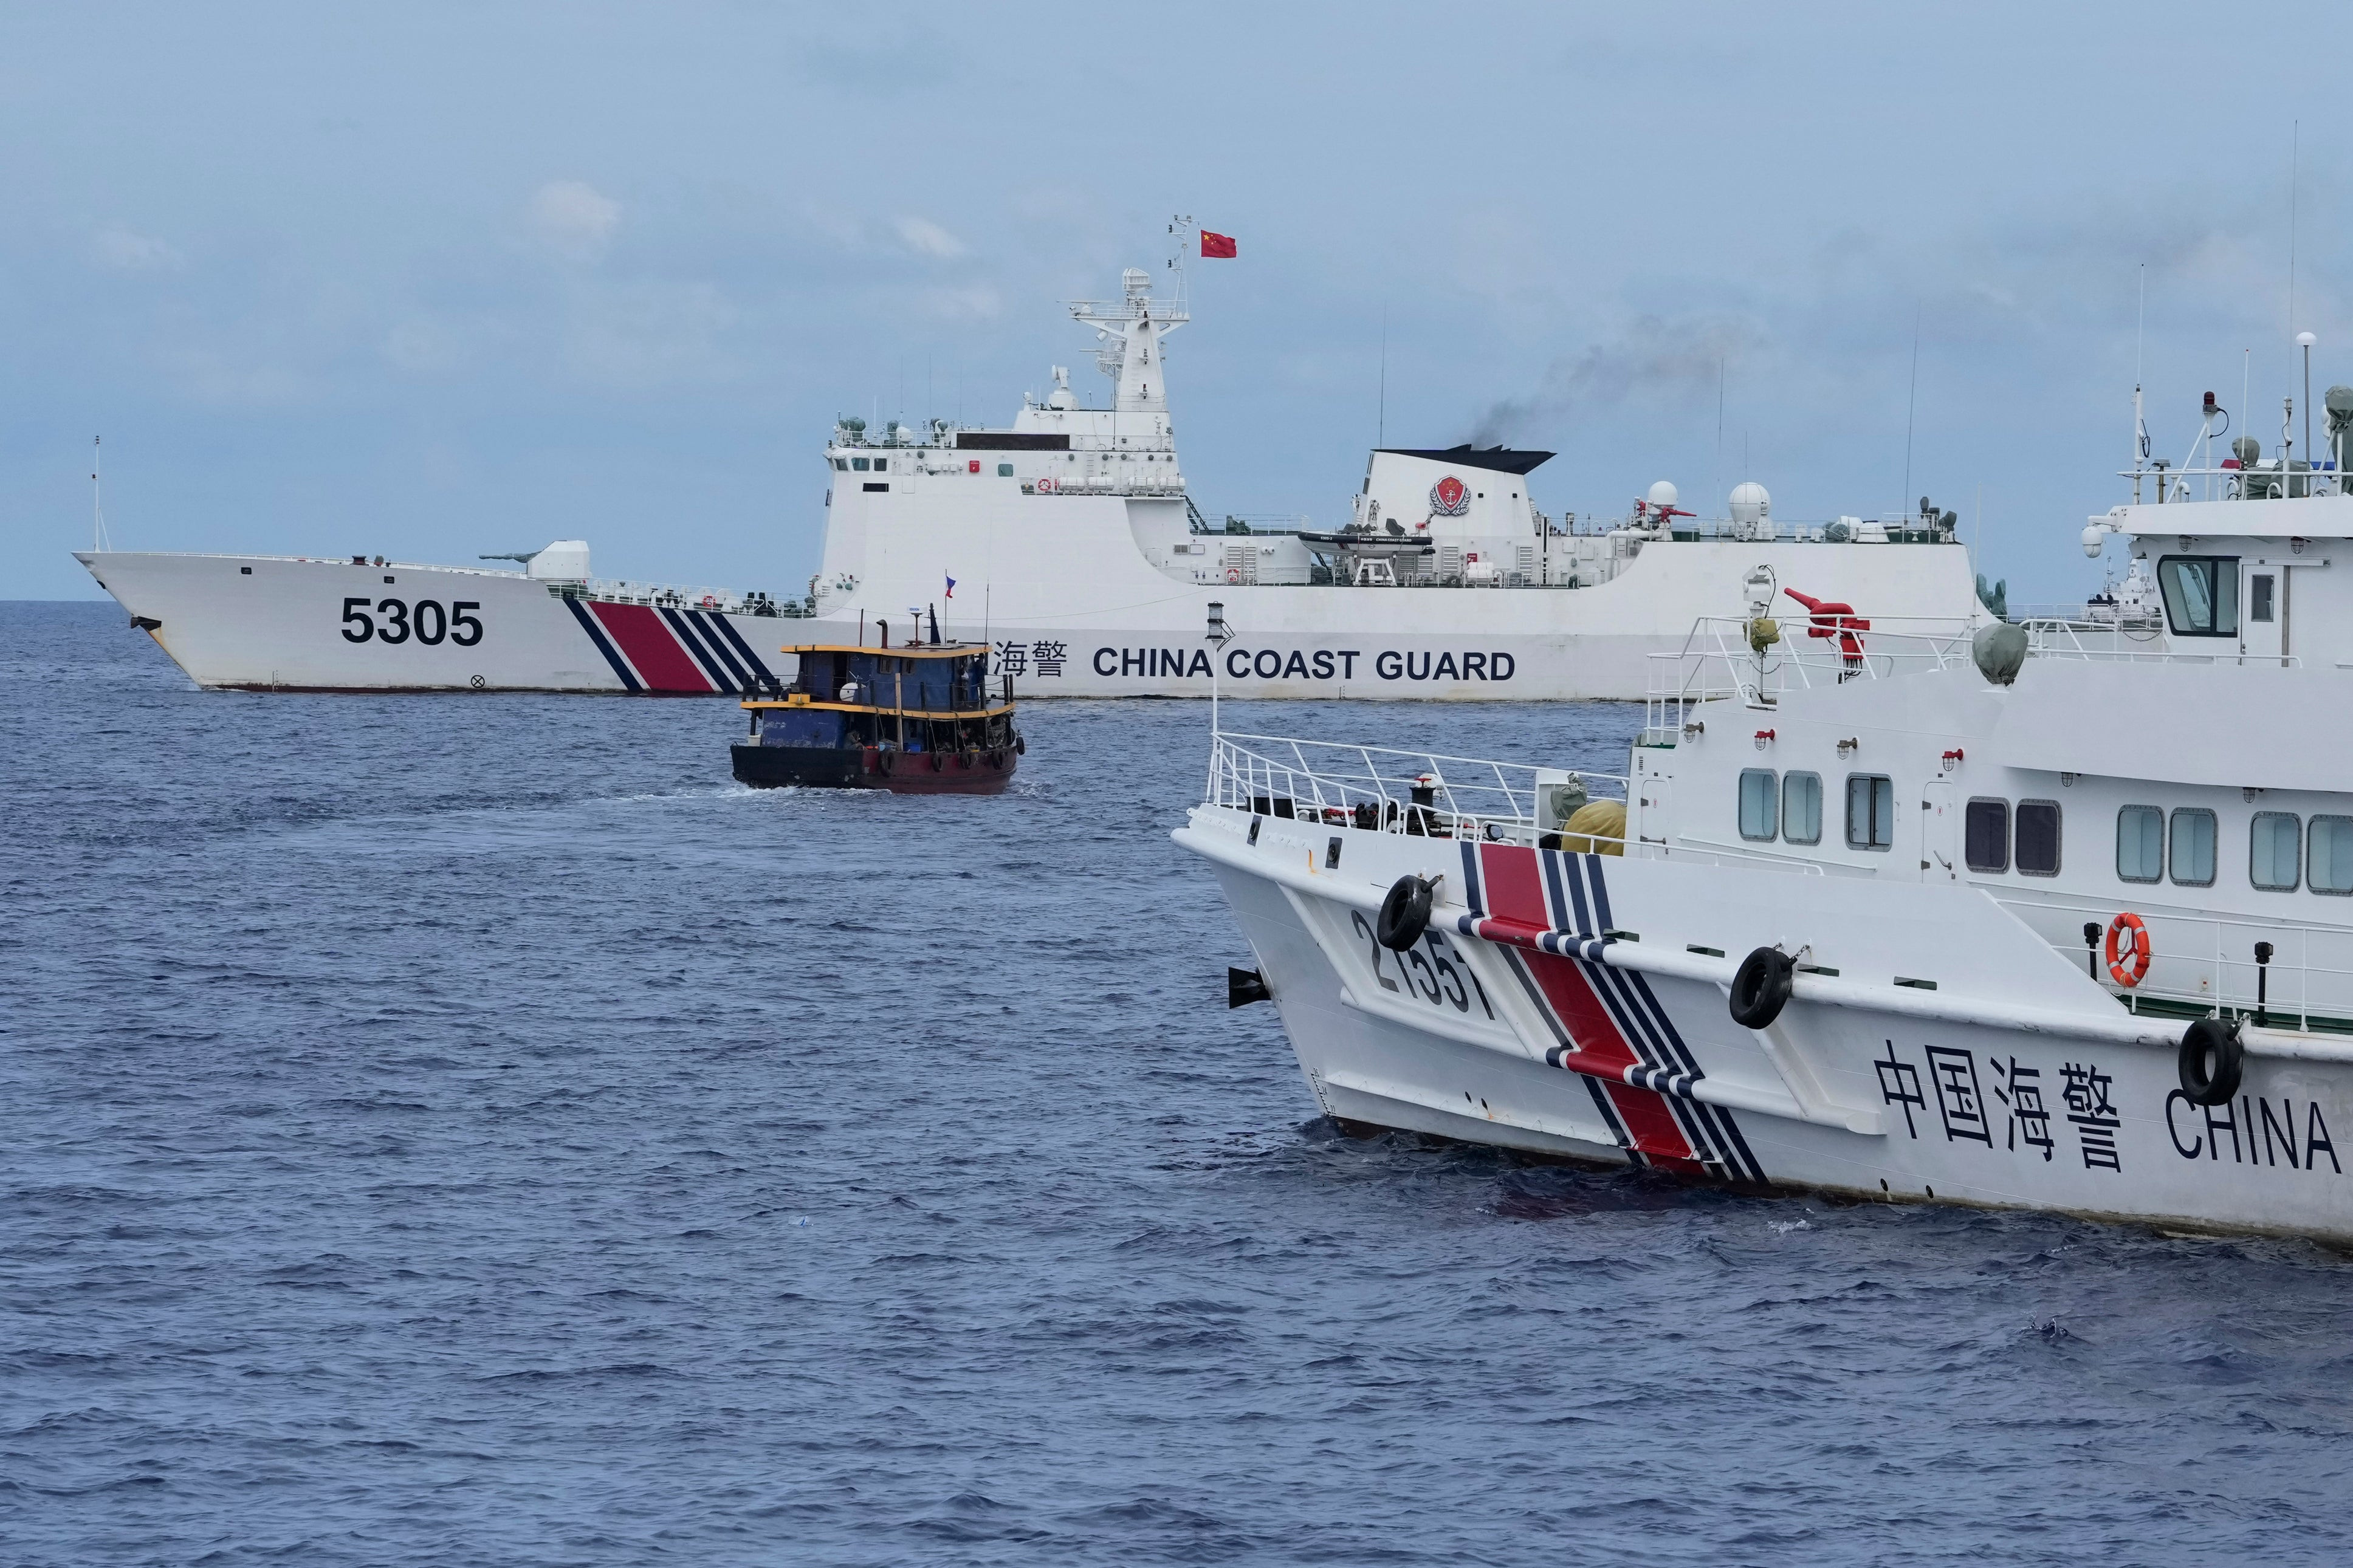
<point x="425" y="620"/>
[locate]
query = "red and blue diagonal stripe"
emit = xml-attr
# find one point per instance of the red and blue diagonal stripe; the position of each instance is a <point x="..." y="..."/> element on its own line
<point x="1549" y="911"/>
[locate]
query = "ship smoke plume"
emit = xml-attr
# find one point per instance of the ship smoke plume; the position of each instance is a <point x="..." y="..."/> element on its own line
<point x="1655" y="355"/>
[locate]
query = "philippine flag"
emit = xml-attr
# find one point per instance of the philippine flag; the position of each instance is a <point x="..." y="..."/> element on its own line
<point x="951" y="593"/>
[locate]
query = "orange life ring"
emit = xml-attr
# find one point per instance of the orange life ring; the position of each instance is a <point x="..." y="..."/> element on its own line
<point x="2130" y="956"/>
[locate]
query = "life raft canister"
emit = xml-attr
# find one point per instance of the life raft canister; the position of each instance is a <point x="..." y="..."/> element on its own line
<point x="2129" y="950"/>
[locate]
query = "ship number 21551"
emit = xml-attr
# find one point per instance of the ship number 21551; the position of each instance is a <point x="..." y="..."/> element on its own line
<point x="425" y="620"/>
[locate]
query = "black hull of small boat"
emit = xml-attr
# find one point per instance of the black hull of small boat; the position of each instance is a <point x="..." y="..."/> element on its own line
<point x="901" y="772"/>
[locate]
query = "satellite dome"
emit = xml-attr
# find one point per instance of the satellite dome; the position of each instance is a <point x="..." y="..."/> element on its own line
<point x="1663" y="494"/>
<point x="1750" y="504"/>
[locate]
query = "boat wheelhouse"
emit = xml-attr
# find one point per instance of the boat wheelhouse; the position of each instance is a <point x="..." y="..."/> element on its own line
<point x="914" y="719"/>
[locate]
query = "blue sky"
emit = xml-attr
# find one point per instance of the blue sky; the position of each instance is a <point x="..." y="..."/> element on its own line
<point x="437" y="280"/>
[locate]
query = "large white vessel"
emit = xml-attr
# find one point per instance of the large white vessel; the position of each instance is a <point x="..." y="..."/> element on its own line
<point x="2054" y="915"/>
<point x="1068" y="541"/>
<point x="1073" y="546"/>
<point x="360" y="623"/>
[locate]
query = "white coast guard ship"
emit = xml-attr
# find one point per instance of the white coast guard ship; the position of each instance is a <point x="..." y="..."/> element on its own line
<point x="1075" y="548"/>
<point x="362" y="623"/>
<point x="2018" y="919"/>
<point x="1068" y="541"/>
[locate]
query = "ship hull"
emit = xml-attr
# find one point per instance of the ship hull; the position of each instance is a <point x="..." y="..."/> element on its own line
<point x="274" y="624"/>
<point x="900" y="773"/>
<point x="1618" y="1047"/>
<point x="1070" y="594"/>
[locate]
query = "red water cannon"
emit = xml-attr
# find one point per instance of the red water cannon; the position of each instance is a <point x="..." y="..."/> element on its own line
<point x="1834" y="619"/>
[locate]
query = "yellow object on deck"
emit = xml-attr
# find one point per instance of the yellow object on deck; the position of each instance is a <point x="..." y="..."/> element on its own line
<point x="1598" y="827"/>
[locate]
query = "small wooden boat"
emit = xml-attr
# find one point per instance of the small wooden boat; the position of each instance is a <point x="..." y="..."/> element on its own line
<point x="915" y="720"/>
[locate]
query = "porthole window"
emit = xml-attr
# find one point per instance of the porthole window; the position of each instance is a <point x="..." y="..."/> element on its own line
<point x="1870" y="811"/>
<point x="2274" y="850"/>
<point x="2193" y="847"/>
<point x="1801" y="808"/>
<point x="1758" y="798"/>
<point x="2329" y="867"/>
<point x="2038" y="837"/>
<point x="2140" y="844"/>
<point x="1985" y="836"/>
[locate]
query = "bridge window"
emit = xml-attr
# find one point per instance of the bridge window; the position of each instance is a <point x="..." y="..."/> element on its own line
<point x="2330" y="868"/>
<point x="858" y="463"/>
<point x="2193" y="847"/>
<point x="2140" y="844"/>
<point x="1801" y="808"/>
<point x="841" y="465"/>
<point x="2038" y="837"/>
<point x="2202" y="594"/>
<point x="1757" y="800"/>
<point x="1985" y="836"/>
<point x="2274" y="848"/>
<point x="1870" y="811"/>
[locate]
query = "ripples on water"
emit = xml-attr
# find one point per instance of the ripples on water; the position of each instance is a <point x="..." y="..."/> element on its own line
<point x="473" y="1130"/>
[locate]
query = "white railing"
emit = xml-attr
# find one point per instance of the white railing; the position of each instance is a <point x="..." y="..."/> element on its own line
<point x="1421" y="793"/>
<point x="1718" y="662"/>
<point x="2207" y="960"/>
<point x="667" y="597"/>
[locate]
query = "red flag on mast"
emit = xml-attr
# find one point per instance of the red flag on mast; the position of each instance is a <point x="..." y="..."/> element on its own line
<point x="1216" y="244"/>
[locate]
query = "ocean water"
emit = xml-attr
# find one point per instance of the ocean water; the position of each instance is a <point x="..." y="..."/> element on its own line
<point x="473" y="1130"/>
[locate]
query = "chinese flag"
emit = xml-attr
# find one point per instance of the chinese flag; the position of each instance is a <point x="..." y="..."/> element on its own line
<point x="1217" y="244"/>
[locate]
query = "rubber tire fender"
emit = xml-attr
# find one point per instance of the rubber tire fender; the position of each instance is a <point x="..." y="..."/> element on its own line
<point x="1760" y="988"/>
<point x="2222" y="1040"/>
<point x="1405" y="914"/>
<point x="1020" y="747"/>
<point x="882" y="761"/>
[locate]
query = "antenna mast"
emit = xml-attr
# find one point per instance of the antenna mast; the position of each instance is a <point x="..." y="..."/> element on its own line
<point x="97" y="507"/>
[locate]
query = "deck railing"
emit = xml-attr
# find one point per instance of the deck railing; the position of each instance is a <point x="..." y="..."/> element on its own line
<point x="1390" y="790"/>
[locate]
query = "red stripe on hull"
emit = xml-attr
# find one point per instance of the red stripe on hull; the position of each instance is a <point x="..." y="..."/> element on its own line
<point x="649" y="644"/>
<point x="1514" y="885"/>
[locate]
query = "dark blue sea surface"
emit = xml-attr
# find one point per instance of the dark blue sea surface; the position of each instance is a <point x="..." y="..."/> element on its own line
<point x="464" y="1130"/>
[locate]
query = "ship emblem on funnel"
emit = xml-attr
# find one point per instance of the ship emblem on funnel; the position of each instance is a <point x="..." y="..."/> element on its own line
<point x="1450" y="497"/>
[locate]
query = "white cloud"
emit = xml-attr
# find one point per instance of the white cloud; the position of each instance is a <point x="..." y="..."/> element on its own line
<point x="123" y="251"/>
<point x="929" y="239"/>
<point x="574" y="218"/>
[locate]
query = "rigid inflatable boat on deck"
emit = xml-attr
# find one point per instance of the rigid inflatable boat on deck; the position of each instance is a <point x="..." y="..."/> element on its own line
<point x="917" y="719"/>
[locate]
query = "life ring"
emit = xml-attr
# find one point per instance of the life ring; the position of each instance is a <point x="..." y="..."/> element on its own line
<point x="2130" y="956"/>
<point x="1405" y="914"/>
<point x="2211" y="1038"/>
<point x="710" y="601"/>
<point x="1233" y="576"/>
<point x="1760" y="988"/>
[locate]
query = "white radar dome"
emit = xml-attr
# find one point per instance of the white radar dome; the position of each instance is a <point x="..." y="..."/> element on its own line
<point x="1750" y="504"/>
<point x="2094" y="538"/>
<point x="1663" y="494"/>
